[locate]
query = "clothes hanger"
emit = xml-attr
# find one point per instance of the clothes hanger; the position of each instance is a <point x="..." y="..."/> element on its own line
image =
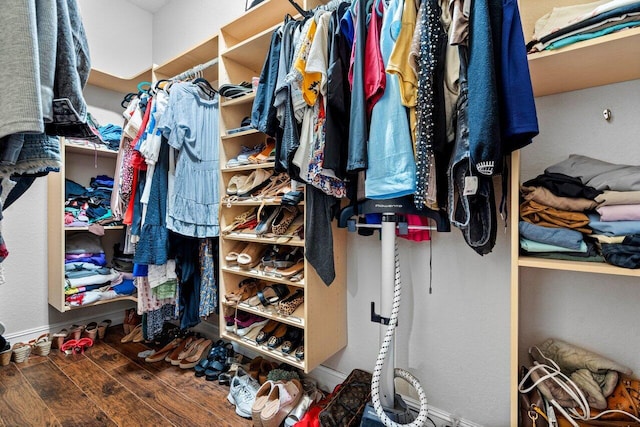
<point x="127" y="99"/>
<point x="205" y="86"/>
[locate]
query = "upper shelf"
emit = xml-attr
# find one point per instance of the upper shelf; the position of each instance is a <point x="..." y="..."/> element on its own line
<point x="585" y="267"/>
<point x="199" y="54"/>
<point x="117" y="83"/>
<point x="604" y="60"/>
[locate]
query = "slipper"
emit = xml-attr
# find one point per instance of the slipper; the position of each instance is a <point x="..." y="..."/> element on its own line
<point x="251" y="255"/>
<point x="232" y="256"/>
<point x="255" y="181"/>
<point x="236" y="182"/>
<point x="273" y="293"/>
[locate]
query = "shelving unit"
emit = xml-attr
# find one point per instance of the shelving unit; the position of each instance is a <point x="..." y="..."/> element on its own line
<point x="244" y="44"/>
<point x="605" y="60"/>
<point x="202" y="53"/>
<point x="117" y="83"/>
<point x="80" y="164"/>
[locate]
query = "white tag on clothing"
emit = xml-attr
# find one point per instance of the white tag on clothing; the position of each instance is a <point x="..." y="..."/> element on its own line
<point x="470" y="185"/>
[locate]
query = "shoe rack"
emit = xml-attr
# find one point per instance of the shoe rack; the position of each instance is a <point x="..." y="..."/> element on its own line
<point x="244" y="44"/>
<point x="579" y="66"/>
<point x="79" y="163"/>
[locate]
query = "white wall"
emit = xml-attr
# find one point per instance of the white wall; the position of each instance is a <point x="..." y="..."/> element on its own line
<point x="181" y="24"/>
<point x="590" y="310"/>
<point x="119" y="36"/>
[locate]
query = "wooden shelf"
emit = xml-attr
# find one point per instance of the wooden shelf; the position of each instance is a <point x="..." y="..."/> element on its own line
<point x="245" y="99"/>
<point x="584" y="267"/>
<point x="117" y="83"/>
<point x="199" y="54"/>
<point x="252" y="52"/>
<point x="587" y="64"/>
<point x="240" y="134"/>
<point x="89" y="149"/>
<point x="259" y="18"/>
<point x="257" y="274"/>
<point x="266" y="202"/>
<point x="249" y="341"/>
<point x="123" y="298"/>
<point x="249" y="167"/>
<point x="106" y="227"/>
<point x="296" y="318"/>
<point x="252" y="238"/>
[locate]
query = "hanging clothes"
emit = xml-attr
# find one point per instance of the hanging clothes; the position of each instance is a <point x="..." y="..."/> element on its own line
<point x="391" y="165"/>
<point x="190" y="124"/>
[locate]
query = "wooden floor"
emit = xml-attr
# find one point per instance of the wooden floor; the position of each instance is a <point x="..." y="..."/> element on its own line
<point x="110" y="386"/>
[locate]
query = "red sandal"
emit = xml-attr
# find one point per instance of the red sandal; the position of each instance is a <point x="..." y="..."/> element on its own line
<point x="76" y="346"/>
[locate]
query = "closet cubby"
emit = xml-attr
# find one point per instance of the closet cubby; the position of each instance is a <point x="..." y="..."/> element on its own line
<point x="80" y="164"/>
<point x="601" y="61"/>
<point x="244" y="44"/>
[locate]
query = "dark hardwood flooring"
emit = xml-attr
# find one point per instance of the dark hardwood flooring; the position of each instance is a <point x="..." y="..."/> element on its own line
<point x="110" y="386"/>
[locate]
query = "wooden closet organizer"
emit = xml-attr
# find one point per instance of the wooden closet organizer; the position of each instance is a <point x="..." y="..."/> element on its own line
<point x="600" y="61"/>
<point x="244" y="44"/>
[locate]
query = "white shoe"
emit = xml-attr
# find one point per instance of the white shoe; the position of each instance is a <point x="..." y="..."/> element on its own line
<point x="242" y="393"/>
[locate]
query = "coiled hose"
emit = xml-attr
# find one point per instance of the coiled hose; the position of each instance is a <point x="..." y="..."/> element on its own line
<point x="422" y="417"/>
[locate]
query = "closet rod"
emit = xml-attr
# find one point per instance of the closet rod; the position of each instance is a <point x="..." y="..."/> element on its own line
<point x="190" y="72"/>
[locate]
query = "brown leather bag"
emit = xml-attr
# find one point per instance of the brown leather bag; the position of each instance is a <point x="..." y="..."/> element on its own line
<point x="625" y="397"/>
<point x="531" y="405"/>
<point x="347" y="406"/>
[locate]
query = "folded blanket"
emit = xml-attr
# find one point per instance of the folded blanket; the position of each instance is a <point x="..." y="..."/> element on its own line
<point x="563" y="237"/>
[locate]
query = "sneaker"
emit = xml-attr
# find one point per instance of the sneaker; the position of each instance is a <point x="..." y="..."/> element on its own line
<point x="242" y="319"/>
<point x="242" y="393"/>
<point x="244" y="327"/>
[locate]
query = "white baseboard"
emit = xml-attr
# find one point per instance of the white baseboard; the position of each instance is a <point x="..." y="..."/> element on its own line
<point x="33" y="333"/>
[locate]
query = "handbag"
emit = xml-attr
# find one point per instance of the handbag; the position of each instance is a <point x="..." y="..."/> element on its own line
<point x="347" y="405"/>
<point x="531" y="404"/>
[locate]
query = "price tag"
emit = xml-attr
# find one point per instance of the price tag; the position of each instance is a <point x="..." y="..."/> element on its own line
<point x="470" y="185"/>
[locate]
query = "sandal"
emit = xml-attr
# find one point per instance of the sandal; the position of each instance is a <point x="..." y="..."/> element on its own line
<point x="266" y="154"/>
<point x="246" y="289"/>
<point x="277" y="185"/>
<point x="239" y="220"/>
<point x="273" y="293"/>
